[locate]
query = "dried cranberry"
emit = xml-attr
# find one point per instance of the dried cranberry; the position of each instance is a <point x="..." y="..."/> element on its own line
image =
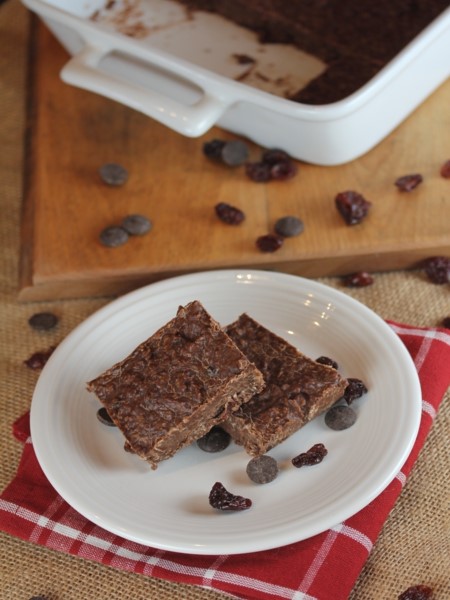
<point x="313" y="456"/>
<point x="213" y="149"/>
<point x="325" y="360"/>
<point x="446" y="322"/>
<point x="359" y="279"/>
<point x="259" y="171"/>
<point x="354" y="390"/>
<point x="222" y="499"/>
<point x="408" y="182"/>
<point x="274" y="156"/>
<point x="417" y="592"/>
<point x="283" y="170"/>
<point x="38" y="359"/>
<point x="437" y="269"/>
<point x="445" y="169"/>
<point x="229" y="214"/>
<point x="269" y="242"/>
<point x="353" y="207"/>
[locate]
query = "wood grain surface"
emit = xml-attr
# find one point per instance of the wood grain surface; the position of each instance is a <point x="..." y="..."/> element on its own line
<point x="73" y="132"/>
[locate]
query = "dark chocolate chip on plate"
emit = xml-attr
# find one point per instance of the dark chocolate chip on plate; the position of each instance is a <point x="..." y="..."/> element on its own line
<point x="262" y="469"/>
<point x="216" y="440"/>
<point x="340" y="417"/>
<point x="103" y="417"/>
<point x="326" y="360"/>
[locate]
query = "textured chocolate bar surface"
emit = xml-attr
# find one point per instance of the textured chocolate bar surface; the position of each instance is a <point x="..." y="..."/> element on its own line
<point x="297" y="388"/>
<point x="185" y="378"/>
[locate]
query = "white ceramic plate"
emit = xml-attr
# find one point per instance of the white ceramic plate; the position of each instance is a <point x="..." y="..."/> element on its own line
<point x="168" y="508"/>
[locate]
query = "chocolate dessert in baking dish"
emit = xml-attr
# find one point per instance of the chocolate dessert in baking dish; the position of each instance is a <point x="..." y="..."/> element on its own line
<point x="185" y="378"/>
<point x="355" y="38"/>
<point x="297" y="389"/>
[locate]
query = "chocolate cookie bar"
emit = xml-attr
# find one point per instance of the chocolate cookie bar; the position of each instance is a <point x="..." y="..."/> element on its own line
<point x="297" y="389"/>
<point x="176" y="385"/>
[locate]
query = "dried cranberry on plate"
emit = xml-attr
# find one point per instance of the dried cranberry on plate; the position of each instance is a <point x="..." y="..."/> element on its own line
<point x="313" y="456"/>
<point x="222" y="499"/>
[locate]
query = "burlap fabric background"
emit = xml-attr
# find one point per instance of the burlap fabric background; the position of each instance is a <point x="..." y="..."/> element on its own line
<point x="415" y="543"/>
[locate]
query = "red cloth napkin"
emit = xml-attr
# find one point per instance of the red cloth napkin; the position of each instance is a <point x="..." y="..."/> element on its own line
<point x="324" y="567"/>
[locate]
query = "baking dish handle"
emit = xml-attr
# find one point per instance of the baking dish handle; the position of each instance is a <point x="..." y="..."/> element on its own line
<point x="83" y="71"/>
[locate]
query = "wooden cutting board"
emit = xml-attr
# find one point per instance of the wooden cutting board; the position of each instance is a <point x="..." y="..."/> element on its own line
<point x="73" y="132"/>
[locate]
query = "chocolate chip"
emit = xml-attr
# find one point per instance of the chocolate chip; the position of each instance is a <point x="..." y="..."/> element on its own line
<point x="340" y="417"/>
<point x="103" y="417"/>
<point x="289" y="226"/>
<point x="136" y="224"/>
<point x="262" y="469"/>
<point x="330" y="362"/>
<point x="113" y="174"/>
<point x="216" y="440"/>
<point x="43" y="321"/>
<point x="235" y="153"/>
<point x="114" y="236"/>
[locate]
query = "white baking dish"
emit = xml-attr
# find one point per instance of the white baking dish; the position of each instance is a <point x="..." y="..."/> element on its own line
<point x="179" y="73"/>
